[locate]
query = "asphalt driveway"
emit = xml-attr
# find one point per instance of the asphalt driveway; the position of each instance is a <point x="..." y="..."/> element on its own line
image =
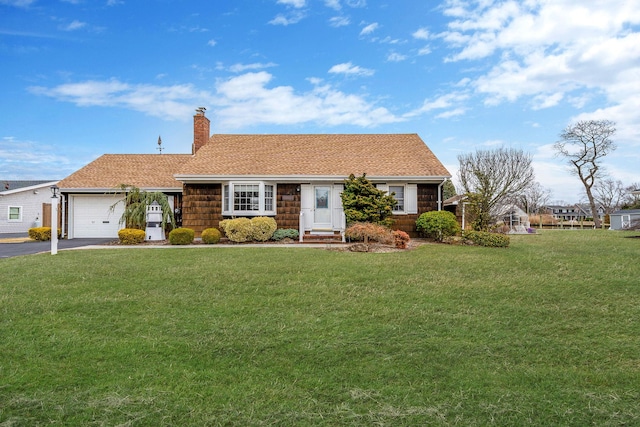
<point x="11" y="245"/>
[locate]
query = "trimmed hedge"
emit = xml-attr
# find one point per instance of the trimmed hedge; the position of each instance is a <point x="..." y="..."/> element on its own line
<point x="131" y="236"/>
<point x="42" y="233"/>
<point x="237" y="230"/>
<point x="211" y="236"/>
<point x="181" y="236"/>
<point x="285" y="233"/>
<point x="438" y="225"/>
<point x="482" y="238"/>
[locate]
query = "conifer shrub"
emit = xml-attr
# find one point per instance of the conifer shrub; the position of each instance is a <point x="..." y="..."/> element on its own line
<point x="367" y="231"/>
<point x="401" y="239"/>
<point x="437" y="225"/>
<point x="483" y="238"/>
<point x="285" y="233"/>
<point x="131" y="236"/>
<point x="211" y="236"/>
<point x="42" y="233"/>
<point x="263" y="228"/>
<point x="181" y="236"/>
<point x="237" y="230"/>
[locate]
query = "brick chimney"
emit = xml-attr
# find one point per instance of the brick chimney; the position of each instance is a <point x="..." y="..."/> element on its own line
<point x="201" y="129"/>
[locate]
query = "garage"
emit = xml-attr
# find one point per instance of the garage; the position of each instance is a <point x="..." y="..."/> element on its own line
<point x="92" y="217"/>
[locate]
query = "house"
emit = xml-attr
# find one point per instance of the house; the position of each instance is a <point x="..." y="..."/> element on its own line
<point x="296" y="179"/>
<point x="623" y="219"/>
<point x="23" y="204"/>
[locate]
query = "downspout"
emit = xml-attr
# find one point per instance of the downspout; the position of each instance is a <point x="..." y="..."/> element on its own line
<point x="440" y="195"/>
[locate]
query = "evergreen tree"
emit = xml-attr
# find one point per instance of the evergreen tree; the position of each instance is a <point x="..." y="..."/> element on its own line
<point x="363" y="202"/>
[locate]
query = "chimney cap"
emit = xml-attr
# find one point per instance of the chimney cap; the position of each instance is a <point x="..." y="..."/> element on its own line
<point x="201" y="110"/>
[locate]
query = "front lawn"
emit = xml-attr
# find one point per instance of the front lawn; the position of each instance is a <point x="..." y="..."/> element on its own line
<point x="545" y="332"/>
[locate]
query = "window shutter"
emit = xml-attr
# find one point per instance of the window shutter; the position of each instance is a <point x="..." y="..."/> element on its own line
<point x="411" y="198"/>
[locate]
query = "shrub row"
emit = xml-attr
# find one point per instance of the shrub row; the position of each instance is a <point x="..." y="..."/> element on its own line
<point x="482" y="238"/>
<point x="42" y="233"/>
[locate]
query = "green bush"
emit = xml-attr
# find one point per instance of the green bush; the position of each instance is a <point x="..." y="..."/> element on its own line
<point x="210" y="236"/>
<point x="367" y="231"/>
<point x="262" y="228"/>
<point x="285" y="233"/>
<point x="42" y="233"/>
<point x="181" y="236"/>
<point x="131" y="236"/>
<point x="482" y="238"/>
<point x="237" y="230"/>
<point x="437" y="225"/>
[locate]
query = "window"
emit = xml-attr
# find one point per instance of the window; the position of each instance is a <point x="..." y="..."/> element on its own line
<point x="256" y="198"/>
<point x="399" y="196"/>
<point x="15" y="213"/>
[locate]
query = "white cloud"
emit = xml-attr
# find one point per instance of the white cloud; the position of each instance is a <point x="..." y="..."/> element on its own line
<point x="242" y="101"/>
<point x="240" y="68"/>
<point x="295" y="3"/>
<point x="421" y="34"/>
<point x="75" y="25"/>
<point x="350" y="69"/>
<point x="170" y="102"/>
<point x="369" y="29"/>
<point x="450" y="101"/>
<point x="292" y="18"/>
<point x="24" y="159"/>
<point x="553" y="53"/>
<point x="17" y="3"/>
<point x="333" y="4"/>
<point x="339" y="21"/>
<point x="212" y="43"/>
<point x="396" y="57"/>
<point x="247" y="101"/>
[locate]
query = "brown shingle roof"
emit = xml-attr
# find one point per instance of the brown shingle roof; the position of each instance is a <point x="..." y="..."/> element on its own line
<point x="141" y="170"/>
<point x="322" y="155"/>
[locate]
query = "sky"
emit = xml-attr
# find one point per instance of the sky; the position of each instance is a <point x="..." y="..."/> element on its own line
<point x="81" y="78"/>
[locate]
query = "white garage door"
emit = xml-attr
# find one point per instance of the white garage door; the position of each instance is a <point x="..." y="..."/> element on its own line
<point x="92" y="217"/>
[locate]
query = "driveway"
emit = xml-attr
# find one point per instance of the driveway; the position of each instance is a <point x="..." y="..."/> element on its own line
<point x="12" y="245"/>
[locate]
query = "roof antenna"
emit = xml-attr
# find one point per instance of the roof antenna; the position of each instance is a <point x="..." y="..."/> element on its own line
<point x="159" y="145"/>
<point x="201" y="110"/>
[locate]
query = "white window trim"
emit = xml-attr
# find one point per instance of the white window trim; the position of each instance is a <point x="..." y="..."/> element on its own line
<point x="20" y="210"/>
<point x="403" y="211"/>
<point x="410" y="197"/>
<point x="227" y="204"/>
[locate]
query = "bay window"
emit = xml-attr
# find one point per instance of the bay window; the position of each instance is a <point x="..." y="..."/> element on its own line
<point x="248" y="199"/>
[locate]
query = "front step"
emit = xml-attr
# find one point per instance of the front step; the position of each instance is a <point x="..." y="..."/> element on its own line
<point x="324" y="237"/>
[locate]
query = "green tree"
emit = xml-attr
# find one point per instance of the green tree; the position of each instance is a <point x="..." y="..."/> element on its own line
<point x="448" y="190"/>
<point x="135" y="207"/>
<point x="363" y="202"/>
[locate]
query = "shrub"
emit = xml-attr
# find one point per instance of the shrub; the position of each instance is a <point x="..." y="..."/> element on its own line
<point x="181" y="236"/>
<point x="363" y="202"/>
<point x="438" y="225"/>
<point x="42" y="233"/>
<point x="210" y="236"/>
<point x="131" y="236"/>
<point x="401" y="239"/>
<point x="262" y="228"/>
<point x="482" y="238"/>
<point x="237" y="230"/>
<point x="285" y="233"/>
<point x="368" y="231"/>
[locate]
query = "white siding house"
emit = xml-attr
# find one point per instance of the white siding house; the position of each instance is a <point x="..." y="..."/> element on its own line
<point x="21" y="204"/>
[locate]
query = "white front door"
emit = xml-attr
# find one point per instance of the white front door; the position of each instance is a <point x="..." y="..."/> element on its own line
<point x="322" y="207"/>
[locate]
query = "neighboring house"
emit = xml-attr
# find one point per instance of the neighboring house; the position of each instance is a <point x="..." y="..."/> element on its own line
<point x="577" y="212"/>
<point x="296" y="179"/>
<point x="623" y="219"/>
<point x="457" y="205"/>
<point x="21" y="204"/>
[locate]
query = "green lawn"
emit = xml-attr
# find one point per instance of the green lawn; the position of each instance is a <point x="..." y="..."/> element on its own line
<point x="546" y="332"/>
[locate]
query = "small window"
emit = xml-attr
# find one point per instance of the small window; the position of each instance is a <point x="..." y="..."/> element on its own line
<point x="399" y="196"/>
<point x="15" y="213"/>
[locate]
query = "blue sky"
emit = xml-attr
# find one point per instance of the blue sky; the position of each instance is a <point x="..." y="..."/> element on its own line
<point x="81" y="78"/>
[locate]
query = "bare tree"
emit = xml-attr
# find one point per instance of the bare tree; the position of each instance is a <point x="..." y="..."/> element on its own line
<point x="631" y="201"/>
<point x="491" y="177"/>
<point x="533" y="198"/>
<point x="609" y="194"/>
<point x="584" y="144"/>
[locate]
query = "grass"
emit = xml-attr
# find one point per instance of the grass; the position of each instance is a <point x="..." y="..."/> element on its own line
<point x="543" y="333"/>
